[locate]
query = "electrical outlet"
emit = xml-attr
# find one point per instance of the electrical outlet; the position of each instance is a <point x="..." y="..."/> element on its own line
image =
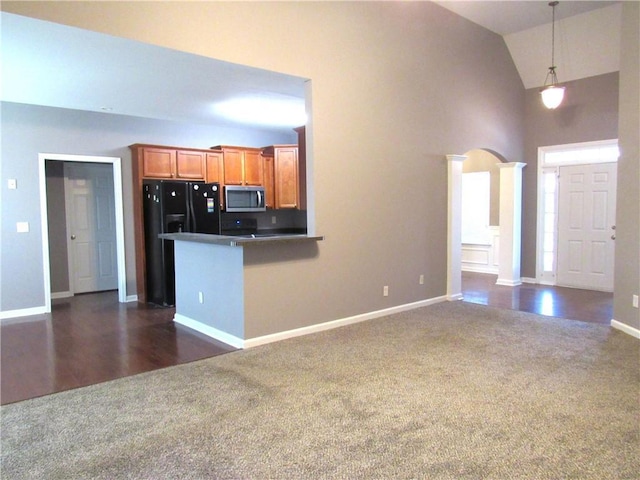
<point x="634" y="301"/>
<point x="421" y="281"/>
<point x="274" y="219"/>
<point x="385" y="291"/>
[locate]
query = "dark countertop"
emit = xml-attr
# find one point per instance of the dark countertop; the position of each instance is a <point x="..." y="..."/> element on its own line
<point x="240" y="241"/>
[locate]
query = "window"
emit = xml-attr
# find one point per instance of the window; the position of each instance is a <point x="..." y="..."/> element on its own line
<point x="476" y="195"/>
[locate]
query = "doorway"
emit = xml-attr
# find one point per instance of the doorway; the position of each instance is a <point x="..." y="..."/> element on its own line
<point x="90" y="227"/>
<point x="116" y="167"/>
<point x="576" y="215"/>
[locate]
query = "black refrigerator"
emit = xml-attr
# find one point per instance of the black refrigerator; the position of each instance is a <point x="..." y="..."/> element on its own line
<point x="170" y="207"/>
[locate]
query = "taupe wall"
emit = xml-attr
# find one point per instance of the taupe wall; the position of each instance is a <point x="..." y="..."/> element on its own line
<point x="588" y="113"/>
<point x="627" y="272"/>
<point x="395" y="87"/>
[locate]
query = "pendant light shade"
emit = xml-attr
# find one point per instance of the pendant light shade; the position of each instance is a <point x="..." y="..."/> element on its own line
<point x="552" y="93"/>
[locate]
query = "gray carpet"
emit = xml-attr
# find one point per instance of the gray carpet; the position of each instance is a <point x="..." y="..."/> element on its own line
<point x="449" y="391"/>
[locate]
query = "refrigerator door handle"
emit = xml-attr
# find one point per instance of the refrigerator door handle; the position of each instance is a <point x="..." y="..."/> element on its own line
<point x="190" y="210"/>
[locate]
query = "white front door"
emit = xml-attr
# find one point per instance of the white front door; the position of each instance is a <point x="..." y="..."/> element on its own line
<point x="586" y="225"/>
<point x="90" y="210"/>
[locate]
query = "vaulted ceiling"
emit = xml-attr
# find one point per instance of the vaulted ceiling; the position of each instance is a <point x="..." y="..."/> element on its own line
<point x="50" y="64"/>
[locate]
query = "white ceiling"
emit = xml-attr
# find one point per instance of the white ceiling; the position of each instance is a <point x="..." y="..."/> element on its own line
<point x="511" y="16"/>
<point x="48" y="64"/>
<point x="44" y="63"/>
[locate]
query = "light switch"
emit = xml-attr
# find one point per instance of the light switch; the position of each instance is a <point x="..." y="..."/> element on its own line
<point x="12" y="183"/>
<point x="22" y="227"/>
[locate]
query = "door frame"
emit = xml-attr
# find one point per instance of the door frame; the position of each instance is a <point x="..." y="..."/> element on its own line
<point x="542" y="166"/>
<point x="116" y="163"/>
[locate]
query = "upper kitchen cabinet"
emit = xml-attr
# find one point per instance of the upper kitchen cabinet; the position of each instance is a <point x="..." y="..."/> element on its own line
<point x="169" y="163"/>
<point x="269" y="180"/>
<point x="215" y="167"/>
<point x="241" y="165"/>
<point x="281" y="162"/>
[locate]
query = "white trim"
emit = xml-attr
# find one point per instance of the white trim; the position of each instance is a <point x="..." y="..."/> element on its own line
<point x="510" y="223"/>
<point x="131" y="298"/>
<point x="634" y="332"/>
<point x="508" y="282"/>
<point x="455" y="298"/>
<point x="454" y="224"/>
<point x="208" y="331"/>
<point x="66" y="294"/>
<point x="254" y="342"/>
<point x="23" y="312"/>
<point x="528" y="280"/>
<point x="575" y="147"/>
<point x="297" y="332"/>
<point x="116" y="163"/>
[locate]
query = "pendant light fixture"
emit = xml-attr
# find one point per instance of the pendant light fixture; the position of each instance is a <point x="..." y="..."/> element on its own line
<point x="552" y="94"/>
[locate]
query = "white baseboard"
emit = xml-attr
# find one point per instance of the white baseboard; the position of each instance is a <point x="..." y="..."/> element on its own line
<point x="529" y="280"/>
<point x="131" y="298"/>
<point x="66" y="294"/>
<point x="209" y="331"/>
<point x="23" y="312"/>
<point x="634" y="332"/>
<point x="480" y="269"/>
<point x="508" y="283"/>
<point x="297" y="332"/>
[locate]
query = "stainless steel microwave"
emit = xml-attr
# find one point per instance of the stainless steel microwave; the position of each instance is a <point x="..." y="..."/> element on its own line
<point x="244" y="199"/>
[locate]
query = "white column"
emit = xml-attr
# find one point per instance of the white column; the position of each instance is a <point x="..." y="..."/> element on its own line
<point x="510" y="223"/>
<point x="454" y="227"/>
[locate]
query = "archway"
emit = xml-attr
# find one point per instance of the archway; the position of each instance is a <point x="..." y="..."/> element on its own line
<point x="509" y="208"/>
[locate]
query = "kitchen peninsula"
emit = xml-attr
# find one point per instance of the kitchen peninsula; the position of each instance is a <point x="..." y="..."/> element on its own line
<point x="211" y="279"/>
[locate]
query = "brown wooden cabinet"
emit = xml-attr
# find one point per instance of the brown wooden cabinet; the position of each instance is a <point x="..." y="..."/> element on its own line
<point x="215" y="167"/>
<point x="191" y="165"/>
<point x="269" y="180"/>
<point x="169" y="163"/>
<point x="241" y="165"/>
<point x="155" y="162"/>
<point x="282" y="160"/>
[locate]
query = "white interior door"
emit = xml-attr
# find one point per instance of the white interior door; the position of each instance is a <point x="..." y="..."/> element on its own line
<point x="586" y="226"/>
<point x="91" y="227"/>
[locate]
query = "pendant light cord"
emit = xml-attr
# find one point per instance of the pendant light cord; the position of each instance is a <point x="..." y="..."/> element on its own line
<point x="553" y="33"/>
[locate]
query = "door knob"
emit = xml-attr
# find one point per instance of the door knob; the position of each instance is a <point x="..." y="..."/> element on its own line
<point x="73" y="237"/>
<point x="613" y="237"/>
<point x="613" y="227"/>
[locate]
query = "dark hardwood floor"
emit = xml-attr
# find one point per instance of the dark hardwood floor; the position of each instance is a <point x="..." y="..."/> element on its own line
<point x="569" y="303"/>
<point x="89" y="339"/>
<point x="92" y="338"/>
